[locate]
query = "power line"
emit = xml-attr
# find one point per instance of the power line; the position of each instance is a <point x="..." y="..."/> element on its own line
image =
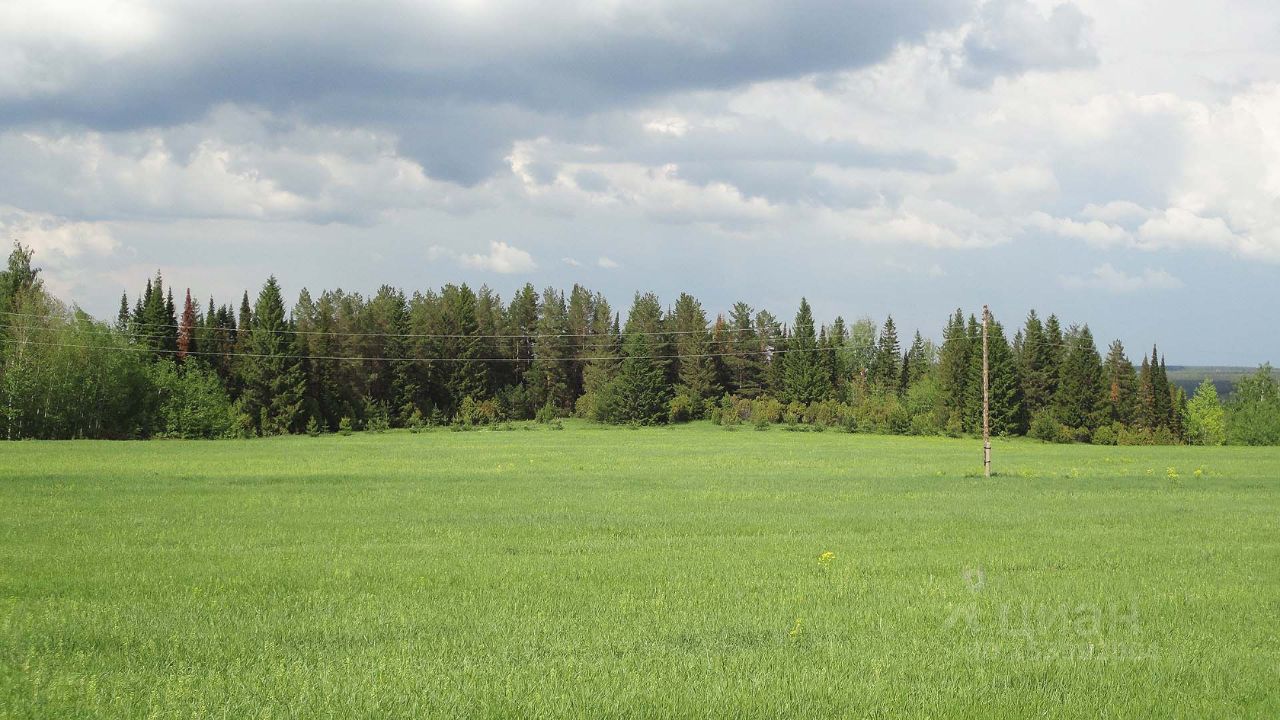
<point x="439" y="336"/>
<point x="342" y="358"/>
<point x="157" y="336"/>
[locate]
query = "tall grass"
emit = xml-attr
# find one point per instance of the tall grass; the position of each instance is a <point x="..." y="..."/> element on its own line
<point x="655" y="572"/>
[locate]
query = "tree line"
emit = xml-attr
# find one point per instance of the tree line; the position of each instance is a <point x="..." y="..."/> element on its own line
<point x="340" y="361"/>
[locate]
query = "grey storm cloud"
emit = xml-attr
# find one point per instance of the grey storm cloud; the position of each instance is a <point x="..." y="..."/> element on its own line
<point x="760" y="158"/>
<point x="456" y="81"/>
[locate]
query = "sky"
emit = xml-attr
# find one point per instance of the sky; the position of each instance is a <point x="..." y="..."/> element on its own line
<point x="1116" y="162"/>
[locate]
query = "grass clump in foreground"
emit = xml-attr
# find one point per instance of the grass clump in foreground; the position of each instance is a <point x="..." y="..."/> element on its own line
<point x="659" y="572"/>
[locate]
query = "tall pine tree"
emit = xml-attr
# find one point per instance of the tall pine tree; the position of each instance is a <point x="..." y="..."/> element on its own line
<point x="271" y="371"/>
<point x="695" y="368"/>
<point x="886" y="373"/>
<point x="804" y="378"/>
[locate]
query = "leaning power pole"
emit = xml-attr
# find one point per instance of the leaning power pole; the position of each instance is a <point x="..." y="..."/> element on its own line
<point x="986" y="398"/>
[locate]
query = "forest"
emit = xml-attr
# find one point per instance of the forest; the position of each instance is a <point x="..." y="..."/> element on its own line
<point x="340" y="362"/>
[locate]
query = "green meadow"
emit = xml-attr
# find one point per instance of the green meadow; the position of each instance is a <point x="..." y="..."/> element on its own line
<point x="608" y="572"/>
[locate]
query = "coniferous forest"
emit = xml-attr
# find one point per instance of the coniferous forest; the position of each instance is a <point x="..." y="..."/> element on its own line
<point x="178" y="365"/>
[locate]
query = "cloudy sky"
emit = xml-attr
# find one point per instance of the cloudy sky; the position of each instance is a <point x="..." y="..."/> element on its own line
<point x="1115" y="161"/>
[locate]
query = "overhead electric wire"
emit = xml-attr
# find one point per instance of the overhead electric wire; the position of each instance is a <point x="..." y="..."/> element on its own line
<point x="439" y="336"/>
<point x="156" y="336"/>
<point x="346" y="358"/>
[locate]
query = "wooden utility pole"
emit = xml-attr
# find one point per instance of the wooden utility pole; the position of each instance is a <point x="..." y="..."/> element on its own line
<point x="986" y="398"/>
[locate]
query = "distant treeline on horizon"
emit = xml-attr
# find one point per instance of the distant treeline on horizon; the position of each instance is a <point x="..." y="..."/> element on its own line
<point x="340" y="361"/>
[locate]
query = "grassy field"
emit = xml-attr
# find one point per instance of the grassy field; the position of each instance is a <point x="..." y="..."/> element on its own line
<point x="661" y="572"/>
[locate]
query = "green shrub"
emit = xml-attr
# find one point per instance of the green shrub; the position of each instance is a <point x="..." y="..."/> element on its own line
<point x="1106" y="435"/>
<point x="344" y="426"/>
<point x="1134" y="436"/>
<point x="827" y="413"/>
<point x="415" y="421"/>
<point x="192" y="402"/>
<point x="925" y="423"/>
<point x="313" y="427"/>
<point x="586" y="407"/>
<point x="1046" y="428"/>
<point x="767" y="410"/>
<point x="727" y="412"/>
<point x="1204" y="417"/>
<point x="681" y="409"/>
<point x="882" y="414"/>
<point x="794" y="412"/>
<point x="1253" y="412"/>
<point x="472" y="413"/>
<point x="376" y="417"/>
<point x="955" y="426"/>
<point x="546" y="414"/>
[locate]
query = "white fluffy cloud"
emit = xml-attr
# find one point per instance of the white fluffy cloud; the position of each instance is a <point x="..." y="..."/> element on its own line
<point x="501" y="258"/>
<point x="626" y="136"/>
<point x="1012" y="37"/>
<point x="1107" y="278"/>
<point x="57" y="238"/>
<point x="232" y="164"/>
<point x="1094" y="232"/>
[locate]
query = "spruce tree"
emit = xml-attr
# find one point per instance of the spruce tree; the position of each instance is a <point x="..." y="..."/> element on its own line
<point x="467" y="376"/>
<point x="837" y="358"/>
<point x="695" y="368"/>
<point x="722" y="348"/>
<point x="548" y="376"/>
<point x="640" y="393"/>
<point x="919" y="360"/>
<point x="187" y="327"/>
<point x="1147" y="413"/>
<point x="772" y="344"/>
<point x="580" y="312"/>
<point x="246" y="315"/>
<point x="1080" y="392"/>
<point x="122" y="316"/>
<point x="1165" y="408"/>
<point x="1121" y="382"/>
<point x="603" y="350"/>
<point x="953" y="367"/>
<point x="804" y="379"/>
<point x="393" y="385"/>
<point x="274" y="383"/>
<point x="522" y="326"/>
<point x="490" y="320"/>
<point x="1008" y="416"/>
<point x="153" y="326"/>
<point x="971" y="412"/>
<point x="886" y="373"/>
<point x="170" y="325"/>
<point x="1038" y="363"/>
<point x="745" y="365"/>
